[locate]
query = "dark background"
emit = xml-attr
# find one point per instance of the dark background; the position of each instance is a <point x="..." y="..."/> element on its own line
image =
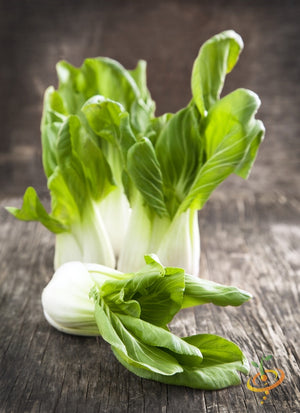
<point x="34" y="35"/>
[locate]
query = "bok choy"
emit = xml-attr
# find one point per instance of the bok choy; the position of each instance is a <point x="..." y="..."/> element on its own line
<point x="125" y="183"/>
<point x="131" y="312"/>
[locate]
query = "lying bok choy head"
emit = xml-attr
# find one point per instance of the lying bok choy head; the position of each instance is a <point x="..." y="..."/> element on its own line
<point x="131" y="312"/>
<point x="125" y="183"/>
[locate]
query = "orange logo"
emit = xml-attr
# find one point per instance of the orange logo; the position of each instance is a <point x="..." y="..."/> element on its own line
<point x="265" y="380"/>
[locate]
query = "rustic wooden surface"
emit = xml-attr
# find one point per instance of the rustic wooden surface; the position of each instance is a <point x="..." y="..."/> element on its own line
<point x="250" y="231"/>
<point x="248" y="242"/>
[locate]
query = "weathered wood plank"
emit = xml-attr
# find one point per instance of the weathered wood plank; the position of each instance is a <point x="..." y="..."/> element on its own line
<point x="43" y="370"/>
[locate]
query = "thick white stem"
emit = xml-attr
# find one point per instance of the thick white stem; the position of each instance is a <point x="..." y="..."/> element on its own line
<point x="137" y="239"/>
<point x="180" y="246"/>
<point x="115" y="211"/>
<point x="87" y="241"/>
<point x="66" y="302"/>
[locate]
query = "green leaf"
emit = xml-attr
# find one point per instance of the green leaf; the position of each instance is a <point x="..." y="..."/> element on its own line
<point x="230" y="130"/>
<point x="244" y="168"/>
<point x="69" y="79"/>
<point x="268" y="357"/>
<point x="216" y="58"/>
<point x="152" y="335"/>
<point x="156" y="126"/>
<point x="109" y="120"/>
<point x="63" y="204"/>
<point x="129" y="347"/>
<point x="107" y="77"/>
<point x="96" y="169"/>
<point x="33" y="210"/>
<point x="163" y="298"/>
<point x="221" y="361"/>
<point x="52" y="119"/>
<point x="254" y="364"/>
<point x="139" y="75"/>
<point x="144" y="170"/>
<point x="179" y="152"/>
<point x="199" y="291"/>
<point x="153" y="294"/>
<point x="70" y="165"/>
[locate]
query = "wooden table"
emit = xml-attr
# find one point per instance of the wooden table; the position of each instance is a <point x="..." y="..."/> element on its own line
<point x="250" y="233"/>
<point x="249" y="242"/>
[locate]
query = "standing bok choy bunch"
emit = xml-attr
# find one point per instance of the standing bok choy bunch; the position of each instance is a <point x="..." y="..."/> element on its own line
<point x="125" y="183"/>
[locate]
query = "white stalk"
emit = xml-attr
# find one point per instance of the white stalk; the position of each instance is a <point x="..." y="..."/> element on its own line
<point x="115" y="212"/>
<point x="137" y="239"/>
<point x="180" y="246"/>
<point x="87" y="241"/>
<point x="66" y="302"/>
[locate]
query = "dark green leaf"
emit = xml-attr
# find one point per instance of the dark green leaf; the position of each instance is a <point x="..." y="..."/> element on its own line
<point x="230" y="130"/>
<point x="179" y="152"/>
<point x="144" y="170"/>
<point x="221" y="361"/>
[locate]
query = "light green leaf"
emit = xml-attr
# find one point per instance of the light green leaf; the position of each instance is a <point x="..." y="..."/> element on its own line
<point x="107" y="77"/>
<point x="63" y="204"/>
<point x="199" y="291"/>
<point x="33" y="210"/>
<point x="244" y="168"/>
<point x="216" y="58"/>
<point x="109" y="120"/>
<point x="142" y="111"/>
<point x="139" y="74"/>
<point x="52" y="119"/>
<point x="156" y="126"/>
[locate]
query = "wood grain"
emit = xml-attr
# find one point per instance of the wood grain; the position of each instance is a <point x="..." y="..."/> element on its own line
<point x="248" y="242"/>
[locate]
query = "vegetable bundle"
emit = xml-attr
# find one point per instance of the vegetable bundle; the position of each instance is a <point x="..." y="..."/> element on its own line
<point x="131" y="312"/>
<point x="125" y="183"/>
